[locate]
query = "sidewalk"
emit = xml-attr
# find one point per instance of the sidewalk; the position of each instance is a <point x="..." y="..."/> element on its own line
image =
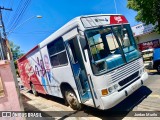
<point x="50" y="107"/>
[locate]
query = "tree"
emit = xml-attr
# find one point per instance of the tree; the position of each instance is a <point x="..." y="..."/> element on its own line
<point x="148" y="11"/>
<point x="16" y="52"/>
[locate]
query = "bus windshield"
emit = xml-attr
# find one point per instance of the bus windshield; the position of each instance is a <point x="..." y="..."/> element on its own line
<point x="111" y="47"/>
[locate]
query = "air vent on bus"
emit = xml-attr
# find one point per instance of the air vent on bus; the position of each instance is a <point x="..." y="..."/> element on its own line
<point x="128" y="79"/>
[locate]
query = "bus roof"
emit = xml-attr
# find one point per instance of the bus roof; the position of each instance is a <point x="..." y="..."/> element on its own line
<point x="81" y="20"/>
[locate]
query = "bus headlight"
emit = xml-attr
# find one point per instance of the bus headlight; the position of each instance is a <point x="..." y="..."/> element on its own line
<point x="111" y="89"/>
<point x="115" y="86"/>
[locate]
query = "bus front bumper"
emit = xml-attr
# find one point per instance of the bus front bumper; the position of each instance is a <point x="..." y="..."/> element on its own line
<point x="116" y="97"/>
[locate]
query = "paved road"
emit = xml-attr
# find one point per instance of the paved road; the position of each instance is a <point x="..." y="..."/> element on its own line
<point x="147" y="98"/>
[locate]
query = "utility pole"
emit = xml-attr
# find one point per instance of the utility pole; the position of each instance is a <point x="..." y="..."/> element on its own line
<point x="115" y="5"/>
<point x="7" y="51"/>
<point x="1" y="48"/>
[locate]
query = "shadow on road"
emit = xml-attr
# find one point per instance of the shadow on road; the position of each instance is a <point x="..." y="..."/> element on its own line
<point x="122" y="109"/>
<point x="116" y="113"/>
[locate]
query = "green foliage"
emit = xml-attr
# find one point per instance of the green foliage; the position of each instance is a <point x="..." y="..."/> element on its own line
<point x="15" y="64"/>
<point x="17" y="53"/>
<point x="148" y="11"/>
<point x="16" y="67"/>
<point x="15" y="49"/>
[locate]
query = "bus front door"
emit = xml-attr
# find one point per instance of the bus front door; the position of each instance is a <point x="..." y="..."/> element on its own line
<point x="78" y="69"/>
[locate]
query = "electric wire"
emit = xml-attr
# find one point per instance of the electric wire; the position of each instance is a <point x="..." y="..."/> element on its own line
<point x="8" y="14"/>
<point x="16" y="12"/>
<point x="19" y="14"/>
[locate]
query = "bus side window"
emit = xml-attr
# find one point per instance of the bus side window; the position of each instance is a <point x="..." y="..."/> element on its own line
<point x="57" y="53"/>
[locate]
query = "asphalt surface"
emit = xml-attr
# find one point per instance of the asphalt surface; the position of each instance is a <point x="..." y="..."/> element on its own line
<point x="147" y="98"/>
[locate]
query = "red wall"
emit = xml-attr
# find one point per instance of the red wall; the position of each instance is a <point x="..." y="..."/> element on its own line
<point x="149" y="44"/>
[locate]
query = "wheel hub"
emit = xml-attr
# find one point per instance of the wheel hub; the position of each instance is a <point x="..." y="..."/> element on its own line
<point x="72" y="99"/>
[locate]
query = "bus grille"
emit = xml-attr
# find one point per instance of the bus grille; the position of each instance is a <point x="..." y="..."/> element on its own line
<point x="128" y="79"/>
<point x="126" y="71"/>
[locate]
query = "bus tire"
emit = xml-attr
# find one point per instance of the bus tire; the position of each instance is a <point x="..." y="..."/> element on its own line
<point x="72" y="100"/>
<point x="158" y="68"/>
<point x="34" y="90"/>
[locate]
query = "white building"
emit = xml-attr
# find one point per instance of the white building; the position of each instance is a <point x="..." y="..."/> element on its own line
<point x="145" y="36"/>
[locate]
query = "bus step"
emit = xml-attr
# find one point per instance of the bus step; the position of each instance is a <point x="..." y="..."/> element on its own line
<point x="89" y="102"/>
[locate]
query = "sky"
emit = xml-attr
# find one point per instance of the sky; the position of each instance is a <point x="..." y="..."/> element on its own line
<point x="30" y="30"/>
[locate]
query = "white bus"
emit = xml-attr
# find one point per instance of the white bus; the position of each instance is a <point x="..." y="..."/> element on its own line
<point x="91" y="60"/>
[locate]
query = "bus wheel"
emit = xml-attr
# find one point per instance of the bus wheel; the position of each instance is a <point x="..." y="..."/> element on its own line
<point x="72" y="100"/>
<point x="34" y="90"/>
<point x="158" y="68"/>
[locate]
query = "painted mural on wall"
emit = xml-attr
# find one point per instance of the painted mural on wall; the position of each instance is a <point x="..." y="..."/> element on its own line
<point x="149" y="45"/>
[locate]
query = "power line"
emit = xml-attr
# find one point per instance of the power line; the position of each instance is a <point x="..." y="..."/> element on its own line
<point x="18" y="18"/>
<point x="7" y="15"/>
<point x="7" y="5"/>
<point x="19" y="14"/>
<point x="16" y="13"/>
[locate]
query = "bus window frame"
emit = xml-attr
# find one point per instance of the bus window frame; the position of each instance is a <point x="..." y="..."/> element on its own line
<point x="60" y="65"/>
<point x="90" y="55"/>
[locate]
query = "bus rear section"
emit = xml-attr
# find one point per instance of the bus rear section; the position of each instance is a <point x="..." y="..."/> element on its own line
<point x="30" y="70"/>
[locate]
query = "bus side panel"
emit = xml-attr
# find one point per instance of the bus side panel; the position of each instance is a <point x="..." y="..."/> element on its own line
<point x="30" y="71"/>
<point x="38" y="71"/>
<point x="52" y="83"/>
<point x="57" y="75"/>
<point x="23" y="74"/>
